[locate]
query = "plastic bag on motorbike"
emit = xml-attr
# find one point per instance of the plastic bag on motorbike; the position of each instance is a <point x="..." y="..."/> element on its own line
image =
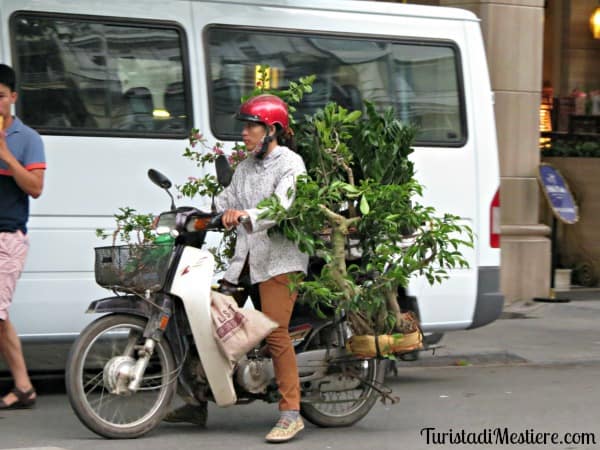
<point x="237" y="330"/>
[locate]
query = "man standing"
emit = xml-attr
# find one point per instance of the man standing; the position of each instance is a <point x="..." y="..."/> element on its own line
<point x="22" y="166"/>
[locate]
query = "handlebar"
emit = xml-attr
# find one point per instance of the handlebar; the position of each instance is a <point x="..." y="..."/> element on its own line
<point x="216" y="221"/>
<point x="189" y="225"/>
<point x="187" y="219"/>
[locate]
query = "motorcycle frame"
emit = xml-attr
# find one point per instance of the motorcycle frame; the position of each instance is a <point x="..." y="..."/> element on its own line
<point x="188" y="285"/>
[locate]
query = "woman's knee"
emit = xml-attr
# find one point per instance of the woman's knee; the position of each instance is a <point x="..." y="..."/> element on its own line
<point x="279" y="340"/>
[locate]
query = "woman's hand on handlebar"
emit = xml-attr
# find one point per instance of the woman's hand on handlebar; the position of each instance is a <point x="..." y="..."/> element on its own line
<point x="233" y="217"/>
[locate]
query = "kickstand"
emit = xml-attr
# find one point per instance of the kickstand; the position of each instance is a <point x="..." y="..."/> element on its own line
<point x="384" y="392"/>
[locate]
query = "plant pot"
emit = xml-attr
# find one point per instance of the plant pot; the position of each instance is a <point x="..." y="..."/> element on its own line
<point x="368" y="346"/>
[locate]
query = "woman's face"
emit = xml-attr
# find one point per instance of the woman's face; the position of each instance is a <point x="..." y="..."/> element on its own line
<point x="253" y="134"/>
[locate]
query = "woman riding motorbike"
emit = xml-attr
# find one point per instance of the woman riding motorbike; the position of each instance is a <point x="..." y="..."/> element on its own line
<point x="268" y="259"/>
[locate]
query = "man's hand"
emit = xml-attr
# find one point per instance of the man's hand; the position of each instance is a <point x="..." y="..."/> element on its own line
<point x="231" y="218"/>
<point x="5" y="154"/>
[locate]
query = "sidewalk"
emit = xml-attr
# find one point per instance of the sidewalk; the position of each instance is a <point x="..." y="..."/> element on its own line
<point x="538" y="333"/>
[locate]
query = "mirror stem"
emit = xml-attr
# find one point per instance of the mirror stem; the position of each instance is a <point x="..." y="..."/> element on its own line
<point x="173" y="208"/>
<point x="213" y="207"/>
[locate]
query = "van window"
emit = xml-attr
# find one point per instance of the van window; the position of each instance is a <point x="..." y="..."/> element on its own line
<point x="421" y="80"/>
<point x="86" y="76"/>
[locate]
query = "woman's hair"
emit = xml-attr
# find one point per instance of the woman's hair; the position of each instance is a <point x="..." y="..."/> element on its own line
<point x="285" y="137"/>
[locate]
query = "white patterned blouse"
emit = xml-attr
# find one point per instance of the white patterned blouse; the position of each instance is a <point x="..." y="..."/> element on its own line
<point x="253" y="181"/>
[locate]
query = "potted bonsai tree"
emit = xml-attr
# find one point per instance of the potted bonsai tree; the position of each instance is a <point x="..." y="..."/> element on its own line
<point x="361" y="189"/>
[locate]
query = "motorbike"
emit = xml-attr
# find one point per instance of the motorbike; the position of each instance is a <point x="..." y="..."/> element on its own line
<point x="155" y="339"/>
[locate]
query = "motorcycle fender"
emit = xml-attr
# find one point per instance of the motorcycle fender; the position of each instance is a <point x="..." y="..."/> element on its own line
<point x="192" y="284"/>
<point x="127" y="304"/>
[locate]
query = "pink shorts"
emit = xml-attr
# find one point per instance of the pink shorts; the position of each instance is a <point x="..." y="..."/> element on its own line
<point x="13" y="251"/>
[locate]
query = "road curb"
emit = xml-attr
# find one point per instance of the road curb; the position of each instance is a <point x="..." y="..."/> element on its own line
<point x="487" y="359"/>
<point x="464" y="359"/>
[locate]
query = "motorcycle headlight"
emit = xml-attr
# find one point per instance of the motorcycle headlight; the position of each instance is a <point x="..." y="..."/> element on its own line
<point x="165" y="223"/>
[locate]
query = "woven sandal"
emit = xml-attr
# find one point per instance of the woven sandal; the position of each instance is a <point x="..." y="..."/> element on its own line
<point x="285" y="430"/>
<point x="24" y="400"/>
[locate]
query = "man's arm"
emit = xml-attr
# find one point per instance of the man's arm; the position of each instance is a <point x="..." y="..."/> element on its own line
<point x="30" y="181"/>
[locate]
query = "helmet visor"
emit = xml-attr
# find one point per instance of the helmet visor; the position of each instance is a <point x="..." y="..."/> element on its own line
<point x="248" y="117"/>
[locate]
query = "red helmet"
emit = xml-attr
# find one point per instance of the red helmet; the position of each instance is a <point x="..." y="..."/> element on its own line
<point x="265" y="108"/>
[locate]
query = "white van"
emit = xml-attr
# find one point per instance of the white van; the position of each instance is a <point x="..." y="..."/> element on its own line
<point x="114" y="88"/>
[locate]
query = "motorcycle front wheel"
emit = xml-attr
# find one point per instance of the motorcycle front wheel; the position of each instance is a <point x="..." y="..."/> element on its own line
<point x="103" y="351"/>
<point x="346" y="396"/>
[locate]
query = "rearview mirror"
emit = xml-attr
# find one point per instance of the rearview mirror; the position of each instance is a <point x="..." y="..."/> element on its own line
<point x="224" y="171"/>
<point x="163" y="182"/>
<point x="159" y="179"/>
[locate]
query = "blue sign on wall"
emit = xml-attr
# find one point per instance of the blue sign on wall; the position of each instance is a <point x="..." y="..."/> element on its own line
<point x="558" y="194"/>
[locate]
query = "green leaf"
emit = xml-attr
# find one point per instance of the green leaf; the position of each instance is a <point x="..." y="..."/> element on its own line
<point x="350" y="188"/>
<point x="353" y="116"/>
<point x="364" y="206"/>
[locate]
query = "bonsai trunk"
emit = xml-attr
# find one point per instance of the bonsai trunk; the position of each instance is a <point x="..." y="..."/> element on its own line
<point x="340" y="226"/>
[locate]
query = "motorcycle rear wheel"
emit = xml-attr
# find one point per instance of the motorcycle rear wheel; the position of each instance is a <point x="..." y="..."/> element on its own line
<point x="108" y="340"/>
<point x="346" y="407"/>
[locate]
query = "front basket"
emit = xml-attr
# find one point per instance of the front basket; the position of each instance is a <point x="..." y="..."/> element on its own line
<point x="133" y="268"/>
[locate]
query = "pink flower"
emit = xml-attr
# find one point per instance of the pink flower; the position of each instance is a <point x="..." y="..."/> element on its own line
<point x="217" y="150"/>
<point x="192" y="179"/>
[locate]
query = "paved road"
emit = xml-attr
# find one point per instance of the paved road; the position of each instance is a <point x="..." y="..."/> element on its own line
<point x="534" y="371"/>
<point x="523" y="398"/>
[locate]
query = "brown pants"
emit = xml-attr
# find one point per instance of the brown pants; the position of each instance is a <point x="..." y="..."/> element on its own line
<point x="277" y="302"/>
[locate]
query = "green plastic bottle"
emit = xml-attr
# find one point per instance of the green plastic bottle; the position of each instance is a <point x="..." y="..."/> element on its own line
<point x="164" y="239"/>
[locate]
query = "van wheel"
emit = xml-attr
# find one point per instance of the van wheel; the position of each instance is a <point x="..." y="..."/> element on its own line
<point x="410" y="356"/>
<point x="432" y="339"/>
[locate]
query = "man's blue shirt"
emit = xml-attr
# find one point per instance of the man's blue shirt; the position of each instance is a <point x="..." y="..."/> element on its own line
<point x="27" y="147"/>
